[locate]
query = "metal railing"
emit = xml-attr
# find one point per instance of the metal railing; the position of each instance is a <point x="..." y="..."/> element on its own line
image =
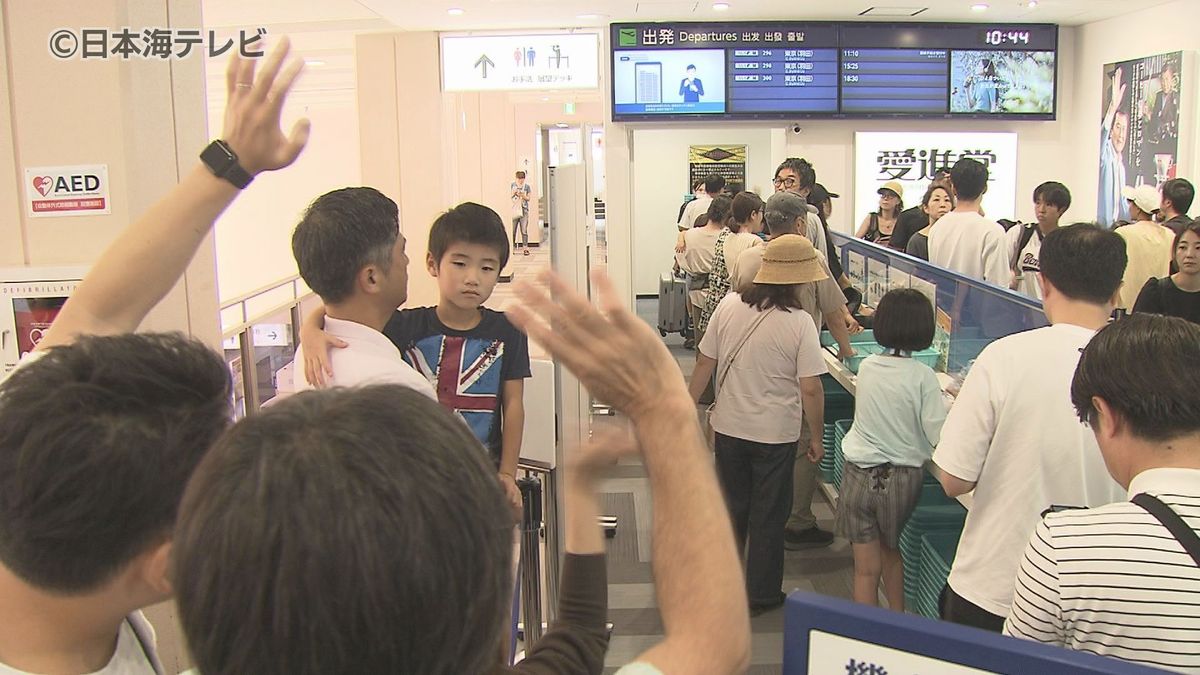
<point x="239" y="316"/>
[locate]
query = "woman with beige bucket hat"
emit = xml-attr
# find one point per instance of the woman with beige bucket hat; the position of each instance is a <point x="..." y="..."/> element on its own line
<point x="767" y="356"/>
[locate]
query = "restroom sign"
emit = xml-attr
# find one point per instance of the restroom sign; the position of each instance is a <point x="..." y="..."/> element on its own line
<point x="80" y="190"/>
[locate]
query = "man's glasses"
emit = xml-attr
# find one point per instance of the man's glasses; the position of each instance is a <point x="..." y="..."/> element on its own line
<point x="790" y="181"/>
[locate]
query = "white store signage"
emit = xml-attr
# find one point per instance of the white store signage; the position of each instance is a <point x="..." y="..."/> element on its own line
<point x="520" y="62"/>
<point x="80" y="190"/>
<point x="913" y="158"/>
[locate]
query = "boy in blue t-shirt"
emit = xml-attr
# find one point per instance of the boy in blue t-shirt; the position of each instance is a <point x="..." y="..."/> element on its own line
<point x="476" y="360"/>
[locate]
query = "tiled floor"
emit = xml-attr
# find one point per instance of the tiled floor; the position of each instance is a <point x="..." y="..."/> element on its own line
<point x="632" y="605"/>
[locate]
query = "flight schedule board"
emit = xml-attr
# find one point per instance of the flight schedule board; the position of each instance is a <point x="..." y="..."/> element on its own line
<point x="783" y="70"/>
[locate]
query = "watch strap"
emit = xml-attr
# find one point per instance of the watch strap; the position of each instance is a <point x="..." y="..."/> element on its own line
<point x="223" y="162"/>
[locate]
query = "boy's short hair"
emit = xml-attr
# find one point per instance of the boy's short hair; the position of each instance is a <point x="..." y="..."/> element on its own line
<point x="720" y="209"/>
<point x="1180" y="192"/>
<point x="471" y="223"/>
<point x="1053" y="193"/>
<point x="342" y="232"/>
<point x="97" y="441"/>
<point x="1144" y="368"/>
<point x="904" y="320"/>
<point x="1084" y="262"/>
<point x="357" y="530"/>
<point x="970" y="178"/>
<point x="713" y="184"/>
<point x="520" y="174"/>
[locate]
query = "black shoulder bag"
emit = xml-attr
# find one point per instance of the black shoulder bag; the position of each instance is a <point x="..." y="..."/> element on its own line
<point x="1184" y="534"/>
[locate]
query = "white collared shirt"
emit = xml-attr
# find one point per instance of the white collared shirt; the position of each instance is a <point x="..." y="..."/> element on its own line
<point x="369" y="358"/>
<point x="1113" y="581"/>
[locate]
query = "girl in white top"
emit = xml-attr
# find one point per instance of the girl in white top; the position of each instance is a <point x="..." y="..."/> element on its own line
<point x="898" y="419"/>
<point x="767" y="356"/>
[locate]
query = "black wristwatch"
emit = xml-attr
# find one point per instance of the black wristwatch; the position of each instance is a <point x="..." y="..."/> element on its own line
<point x="223" y="162"/>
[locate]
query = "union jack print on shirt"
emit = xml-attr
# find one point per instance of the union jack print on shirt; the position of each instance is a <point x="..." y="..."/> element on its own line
<point x="466" y="372"/>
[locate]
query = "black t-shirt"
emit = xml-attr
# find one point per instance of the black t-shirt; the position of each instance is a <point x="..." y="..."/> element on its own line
<point x="1162" y="296"/>
<point x="909" y="223"/>
<point x="468" y="369"/>
<point x="1177" y="224"/>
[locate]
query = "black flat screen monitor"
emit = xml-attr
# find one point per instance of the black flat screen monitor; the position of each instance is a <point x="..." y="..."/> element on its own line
<point x="784" y="70"/>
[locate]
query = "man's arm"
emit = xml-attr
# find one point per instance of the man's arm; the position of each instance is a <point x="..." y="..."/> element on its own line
<point x="512" y="429"/>
<point x="1116" y="93"/>
<point x="967" y="433"/>
<point x="623" y="362"/>
<point x="142" y="264"/>
<point x="952" y="485"/>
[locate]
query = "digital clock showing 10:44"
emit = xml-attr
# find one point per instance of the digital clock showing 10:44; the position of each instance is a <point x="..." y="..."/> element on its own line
<point x="1006" y="37"/>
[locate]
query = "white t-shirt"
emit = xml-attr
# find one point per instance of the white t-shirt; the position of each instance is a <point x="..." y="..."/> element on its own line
<point x="692" y="211"/>
<point x="1148" y="246"/>
<point x="759" y="399"/>
<point x="1013" y="431"/>
<point x="1028" y="264"/>
<point x="370" y="358"/>
<point x="971" y="245"/>
<point x="128" y="658"/>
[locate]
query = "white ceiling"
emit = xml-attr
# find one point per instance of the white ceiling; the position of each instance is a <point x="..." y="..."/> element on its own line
<point x="364" y="15"/>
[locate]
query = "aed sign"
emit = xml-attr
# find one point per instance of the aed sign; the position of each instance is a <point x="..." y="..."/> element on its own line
<point x="81" y="190"/>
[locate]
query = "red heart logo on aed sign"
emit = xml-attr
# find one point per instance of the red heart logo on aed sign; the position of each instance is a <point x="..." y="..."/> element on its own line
<point x="43" y="184"/>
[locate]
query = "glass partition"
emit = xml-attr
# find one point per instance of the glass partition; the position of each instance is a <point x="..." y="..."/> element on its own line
<point x="970" y="313"/>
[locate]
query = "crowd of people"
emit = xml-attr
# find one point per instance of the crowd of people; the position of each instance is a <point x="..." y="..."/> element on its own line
<point x="368" y="527"/>
<point x="1013" y="434"/>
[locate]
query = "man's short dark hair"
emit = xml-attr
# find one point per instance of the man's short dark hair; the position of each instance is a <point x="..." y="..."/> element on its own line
<point x="1180" y="192"/>
<point x="1084" y="262"/>
<point x="805" y="173"/>
<point x="341" y="233"/>
<point x="97" y="441"/>
<point x="904" y="320"/>
<point x="1053" y="193"/>
<point x="713" y="183"/>
<point x="970" y="178"/>
<point x="690" y="67"/>
<point x="345" y="531"/>
<point x="1144" y="368"/>
<point x="470" y="223"/>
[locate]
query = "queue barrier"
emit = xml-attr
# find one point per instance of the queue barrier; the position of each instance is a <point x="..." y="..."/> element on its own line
<point x="829" y="635"/>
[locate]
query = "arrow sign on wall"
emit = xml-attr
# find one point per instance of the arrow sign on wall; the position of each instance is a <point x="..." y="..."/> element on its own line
<point x="484" y="62"/>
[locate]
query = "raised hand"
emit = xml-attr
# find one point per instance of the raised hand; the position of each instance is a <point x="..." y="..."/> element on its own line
<point x="253" y="110"/>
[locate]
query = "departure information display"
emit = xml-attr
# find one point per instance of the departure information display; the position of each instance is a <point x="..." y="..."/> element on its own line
<point x="788" y="69"/>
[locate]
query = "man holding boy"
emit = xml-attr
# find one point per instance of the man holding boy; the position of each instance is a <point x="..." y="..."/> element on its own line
<point x="100" y="429"/>
<point x="350" y="251"/>
<point x="475" y="358"/>
<point x="1012" y="435"/>
<point x="1050" y="201"/>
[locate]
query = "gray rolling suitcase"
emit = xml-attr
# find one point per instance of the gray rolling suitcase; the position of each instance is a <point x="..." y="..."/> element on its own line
<point x="672" y="305"/>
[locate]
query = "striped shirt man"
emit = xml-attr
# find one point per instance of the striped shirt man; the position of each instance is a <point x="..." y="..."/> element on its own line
<point x="1113" y="581"/>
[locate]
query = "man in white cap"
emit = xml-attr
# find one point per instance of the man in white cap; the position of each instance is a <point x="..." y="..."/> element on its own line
<point x="1147" y="243"/>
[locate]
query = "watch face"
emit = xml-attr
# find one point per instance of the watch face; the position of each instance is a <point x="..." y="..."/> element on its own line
<point x="218" y="157"/>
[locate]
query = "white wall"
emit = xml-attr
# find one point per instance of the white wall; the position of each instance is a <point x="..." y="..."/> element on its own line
<point x="254" y="237"/>
<point x="1155" y="30"/>
<point x="660" y="177"/>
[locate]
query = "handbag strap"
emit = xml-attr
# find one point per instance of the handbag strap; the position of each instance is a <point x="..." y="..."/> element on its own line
<point x="1184" y="534"/>
<point x="733" y="355"/>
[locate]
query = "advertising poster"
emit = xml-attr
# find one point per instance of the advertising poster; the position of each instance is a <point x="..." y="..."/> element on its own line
<point x="33" y="318"/>
<point x="856" y="269"/>
<point x="941" y="340"/>
<point x="1139" y="129"/>
<point x="727" y="161"/>
<point x="912" y="159"/>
